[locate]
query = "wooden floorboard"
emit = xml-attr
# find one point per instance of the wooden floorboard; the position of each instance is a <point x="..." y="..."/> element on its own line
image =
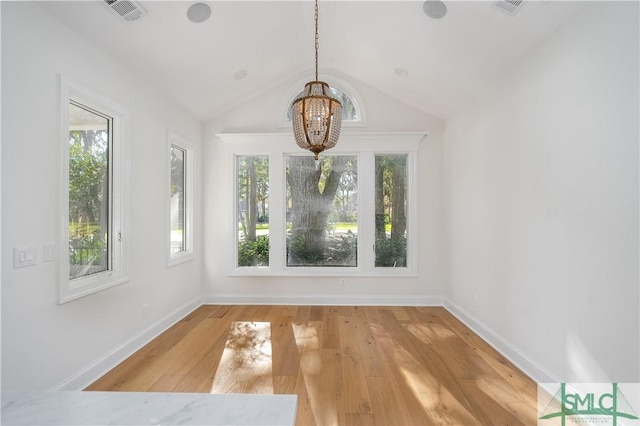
<point x="348" y="365"/>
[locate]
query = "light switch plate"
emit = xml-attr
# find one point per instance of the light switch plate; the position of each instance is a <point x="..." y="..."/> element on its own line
<point x="49" y="254"/>
<point x="24" y="255"/>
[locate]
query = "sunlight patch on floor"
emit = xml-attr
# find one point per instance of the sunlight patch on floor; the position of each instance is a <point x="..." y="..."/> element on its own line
<point x="245" y="365"/>
<point x="321" y="385"/>
<point x="436" y="400"/>
<point x="429" y="333"/>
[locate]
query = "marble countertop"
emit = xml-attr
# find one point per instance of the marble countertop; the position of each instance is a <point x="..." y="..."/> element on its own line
<point x="145" y="408"/>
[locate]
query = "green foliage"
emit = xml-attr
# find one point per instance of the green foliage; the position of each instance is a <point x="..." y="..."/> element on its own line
<point x="177" y="169"/>
<point x="87" y="246"/>
<point x="87" y="175"/>
<point x="88" y="188"/>
<point x="391" y="252"/>
<point x="254" y="253"/>
<point x="342" y="249"/>
<point x="339" y="250"/>
<point x="302" y="253"/>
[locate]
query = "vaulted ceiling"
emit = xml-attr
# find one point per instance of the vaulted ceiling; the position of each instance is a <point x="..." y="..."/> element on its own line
<point x="436" y="65"/>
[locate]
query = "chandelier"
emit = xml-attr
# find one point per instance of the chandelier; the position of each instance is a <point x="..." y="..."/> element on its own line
<point x="316" y="115"/>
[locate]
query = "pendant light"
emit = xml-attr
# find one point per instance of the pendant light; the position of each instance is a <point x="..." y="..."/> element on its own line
<point x="316" y="115"/>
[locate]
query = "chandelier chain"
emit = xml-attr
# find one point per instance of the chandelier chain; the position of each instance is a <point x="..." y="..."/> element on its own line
<point x="316" y="115"/>
<point x="317" y="37"/>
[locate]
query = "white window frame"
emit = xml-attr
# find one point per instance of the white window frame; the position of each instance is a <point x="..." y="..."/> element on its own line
<point x="119" y="190"/>
<point x="188" y="147"/>
<point x="365" y="146"/>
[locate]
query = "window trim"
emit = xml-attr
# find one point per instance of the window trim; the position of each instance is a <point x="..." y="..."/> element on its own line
<point x="365" y="146"/>
<point x="119" y="205"/>
<point x="188" y="147"/>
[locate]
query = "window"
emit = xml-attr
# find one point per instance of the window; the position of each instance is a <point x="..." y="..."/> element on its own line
<point x="178" y="236"/>
<point x="353" y="111"/>
<point x="94" y="229"/>
<point x="350" y="111"/>
<point x="252" y="196"/>
<point x="352" y="213"/>
<point x="391" y="210"/>
<point x="89" y="174"/>
<point x="180" y="200"/>
<point x="321" y="208"/>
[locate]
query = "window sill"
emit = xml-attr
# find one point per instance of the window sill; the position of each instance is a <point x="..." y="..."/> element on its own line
<point x="180" y="258"/>
<point x="74" y="290"/>
<point x="308" y="272"/>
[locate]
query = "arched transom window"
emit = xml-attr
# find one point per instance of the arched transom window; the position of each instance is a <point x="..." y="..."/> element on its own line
<point x="350" y="109"/>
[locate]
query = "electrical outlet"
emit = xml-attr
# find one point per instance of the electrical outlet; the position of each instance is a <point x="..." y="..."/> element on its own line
<point x="343" y="282"/>
<point x="145" y="309"/>
<point x="476" y="300"/>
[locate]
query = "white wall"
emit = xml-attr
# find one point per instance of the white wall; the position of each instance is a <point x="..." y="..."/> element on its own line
<point x="263" y="115"/>
<point x="43" y="343"/>
<point x="541" y="184"/>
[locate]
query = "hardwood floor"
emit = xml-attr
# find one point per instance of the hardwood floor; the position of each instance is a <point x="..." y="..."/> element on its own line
<point x="348" y="365"/>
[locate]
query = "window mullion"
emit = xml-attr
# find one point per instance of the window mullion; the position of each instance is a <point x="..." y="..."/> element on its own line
<point x="276" y="212"/>
<point x="366" y="213"/>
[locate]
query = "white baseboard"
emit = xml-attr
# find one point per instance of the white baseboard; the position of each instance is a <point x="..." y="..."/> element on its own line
<point x="528" y="366"/>
<point x="320" y="300"/>
<point x="97" y="369"/>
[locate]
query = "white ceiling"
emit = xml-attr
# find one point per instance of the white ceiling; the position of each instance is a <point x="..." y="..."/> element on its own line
<point x="450" y="61"/>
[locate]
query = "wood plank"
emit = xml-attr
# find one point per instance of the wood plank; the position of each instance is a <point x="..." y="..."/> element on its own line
<point x="286" y="358"/>
<point x="400" y="313"/>
<point x="284" y="384"/>
<point x="166" y="381"/>
<point x="330" y="332"/>
<point x="320" y="369"/>
<point x="304" y="415"/>
<point x="387" y="406"/>
<point x="406" y="408"/>
<point x="317" y="313"/>
<point x="355" y="392"/>
<point x="118" y="377"/>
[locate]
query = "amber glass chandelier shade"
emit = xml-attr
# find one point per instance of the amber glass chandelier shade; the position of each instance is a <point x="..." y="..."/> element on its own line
<point x="316" y="117"/>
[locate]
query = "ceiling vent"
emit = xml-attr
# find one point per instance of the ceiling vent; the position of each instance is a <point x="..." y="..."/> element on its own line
<point x="127" y="10"/>
<point x="510" y="7"/>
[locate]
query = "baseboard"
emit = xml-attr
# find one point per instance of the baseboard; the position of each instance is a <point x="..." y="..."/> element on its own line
<point x="320" y="300"/>
<point x="97" y="369"/>
<point x="528" y="366"/>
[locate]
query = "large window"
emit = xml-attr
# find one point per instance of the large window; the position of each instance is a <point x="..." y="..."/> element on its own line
<point x="351" y="213"/>
<point x="181" y="194"/>
<point x="94" y="228"/>
<point x="322" y="210"/>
